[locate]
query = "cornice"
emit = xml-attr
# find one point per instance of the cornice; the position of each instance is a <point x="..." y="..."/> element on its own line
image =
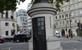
<point x="41" y="10"/>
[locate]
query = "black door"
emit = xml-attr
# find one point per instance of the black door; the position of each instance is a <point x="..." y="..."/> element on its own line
<point x="39" y="34"/>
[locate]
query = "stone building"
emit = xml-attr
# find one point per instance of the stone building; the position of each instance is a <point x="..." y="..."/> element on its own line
<point x="70" y="15"/>
<point x="8" y="24"/>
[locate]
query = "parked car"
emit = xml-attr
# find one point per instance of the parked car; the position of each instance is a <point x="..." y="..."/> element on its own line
<point x="2" y="40"/>
<point x="21" y="38"/>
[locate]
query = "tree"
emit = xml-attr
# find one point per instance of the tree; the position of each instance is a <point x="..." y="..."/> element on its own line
<point x="7" y="5"/>
<point x="10" y="5"/>
<point x="1" y="7"/>
<point x="58" y="3"/>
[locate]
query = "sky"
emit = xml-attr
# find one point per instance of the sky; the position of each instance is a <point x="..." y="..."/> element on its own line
<point x="23" y="5"/>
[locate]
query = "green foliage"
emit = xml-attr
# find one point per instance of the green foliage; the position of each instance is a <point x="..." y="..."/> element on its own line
<point x="1" y="6"/>
<point x="7" y="5"/>
<point x="58" y="3"/>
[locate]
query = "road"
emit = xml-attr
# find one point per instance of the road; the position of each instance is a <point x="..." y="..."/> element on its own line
<point x="14" y="46"/>
<point x="67" y="44"/>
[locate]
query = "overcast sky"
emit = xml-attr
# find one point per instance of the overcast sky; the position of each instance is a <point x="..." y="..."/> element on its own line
<point x="24" y="5"/>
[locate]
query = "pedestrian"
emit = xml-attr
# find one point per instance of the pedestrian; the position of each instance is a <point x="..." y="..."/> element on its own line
<point x="70" y="33"/>
<point x="66" y="35"/>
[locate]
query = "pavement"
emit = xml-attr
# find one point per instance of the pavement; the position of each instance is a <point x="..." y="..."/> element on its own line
<point x="68" y="39"/>
<point x="14" y="46"/>
<point x="74" y="43"/>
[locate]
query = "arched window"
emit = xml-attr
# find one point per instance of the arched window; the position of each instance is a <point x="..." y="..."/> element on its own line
<point x="6" y="24"/>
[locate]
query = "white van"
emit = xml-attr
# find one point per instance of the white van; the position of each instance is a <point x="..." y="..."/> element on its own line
<point x="57" y="34"/>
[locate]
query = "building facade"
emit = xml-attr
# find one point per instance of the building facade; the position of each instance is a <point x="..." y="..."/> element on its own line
<point x="8" y="24"/>
<point x="29" y="20"/>
<point x="69" y="17"/>
<point x="22" y="21"/>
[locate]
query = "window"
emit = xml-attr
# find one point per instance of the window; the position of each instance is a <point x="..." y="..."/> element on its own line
<point x="56" y="17"/>
<point x="13" y="24"/>
<point x="38" y="24"/>
<point x="75" y="21"/>
<point x="7" y="16"/>
<point x="42" y="23"/>
<point x="6" y="33"/>
<point x="66" y="15"/>
<point x="39" y="29"/>
<point x="11" y="17"/>
<point x="42" y="28"/>
<point x="40" y="19"/>
<point x="63" y="22"/>
<point x="12" y="32"/>
<point x="1" y="15"/>
<point x="60" y="16"/>
<point x="24" y="23"/>
<point x="6" y="24"/>
<point x="71" y="20"/>
<point x="24" y="29"/>
<point x="67" y="21"/>
<point x="25" y="20"/>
